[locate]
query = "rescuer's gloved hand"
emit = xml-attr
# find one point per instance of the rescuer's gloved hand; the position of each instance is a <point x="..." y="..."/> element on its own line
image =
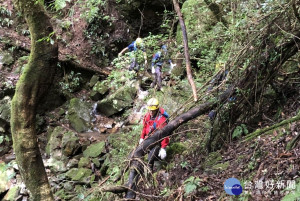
<point x="153" y="70"/>
<point x="162" y="153"/>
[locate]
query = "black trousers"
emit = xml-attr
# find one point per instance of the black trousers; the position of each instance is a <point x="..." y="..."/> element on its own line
<point x="153" y="156"/>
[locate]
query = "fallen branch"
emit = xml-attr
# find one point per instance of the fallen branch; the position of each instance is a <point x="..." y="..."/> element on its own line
<point x="155" y="139"/>
<point x="104" y="180"/>
<point x="122" y="189"/>
<point x="286" y="51"/>
<point x="259" y="132"/>
<point x="70" y="63"/>
<point x="114" y="189"/>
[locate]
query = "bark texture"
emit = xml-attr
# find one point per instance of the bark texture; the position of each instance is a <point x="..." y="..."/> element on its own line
<point x="186" y="49"/>
<point x="155" y="139"/>
<point x="249" y="82"/>
<point x="32" y="85"/>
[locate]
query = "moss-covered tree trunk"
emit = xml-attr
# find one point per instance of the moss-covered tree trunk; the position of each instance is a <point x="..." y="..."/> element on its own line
<point x="33" y="83"/>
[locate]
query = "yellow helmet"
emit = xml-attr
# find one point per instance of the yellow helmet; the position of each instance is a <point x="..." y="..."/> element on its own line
<point x="139" y="41"/>
<point x="153" y="104"/>
<point x="219" y="65"/>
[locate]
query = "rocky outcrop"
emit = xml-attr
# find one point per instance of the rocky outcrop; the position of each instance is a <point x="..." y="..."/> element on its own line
<point x="79" y="115"/>
<point x="5" y="137"/>
<point x="118" y="101"/>
<point x="100" y="89"/>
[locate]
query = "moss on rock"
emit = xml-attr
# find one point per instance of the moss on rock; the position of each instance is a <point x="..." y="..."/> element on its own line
<point x="220" y="167"/>
<point x="54" y="140"/>
<point x="118" y="101"/>
<point x="12" y="194"/>
<point x="79" y="174"/>
<point x="175" y="148"/>
<point x="93" y="80"/>
<point x="94" y="150"/>
<point x="5" y="104"/>
<point x="79" y="115"/>
<point x="84" y="162"/>
<point x="101" y="87"/>
<point x="70" y="143"/>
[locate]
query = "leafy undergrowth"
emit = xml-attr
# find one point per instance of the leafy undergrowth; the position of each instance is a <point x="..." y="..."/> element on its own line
<point x="266" y="170"/>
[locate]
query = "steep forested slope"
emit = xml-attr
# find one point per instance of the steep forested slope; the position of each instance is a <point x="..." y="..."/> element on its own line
<point x="248" y="49"/>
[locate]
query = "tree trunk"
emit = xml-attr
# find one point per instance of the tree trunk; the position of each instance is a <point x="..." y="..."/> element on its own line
<point x="154" y="139"/>
<point x="267" y="72"/>
<point x="253" y="85"/>
<point x="32" y="85"/>
<point x="186" y="50"/>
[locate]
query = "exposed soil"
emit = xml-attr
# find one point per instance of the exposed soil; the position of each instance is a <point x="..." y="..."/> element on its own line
<point x="262" y="159"/>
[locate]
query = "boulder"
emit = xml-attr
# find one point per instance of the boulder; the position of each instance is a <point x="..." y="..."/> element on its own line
<point x="54" y="142"/>
<point x="61" y="145"/>
<point x="94" y="150"/>
<point x="6" y="59"/>
<point x="5" y="104"/>
<point x="6" y="174"/>
<point x="5" y="137"/>
<point x="79" y="115"/>
<point x="70" y="143"/>
<point x="120" y="100"/>
<point x="100" y="89"/>
<point x="93" y="80"/>
<point x="72" y="163"/>
<point x="56" y="165"/>
<point x="12" y="194"/>
<point x="84" y="162"/>
<point x="79" y="174"/>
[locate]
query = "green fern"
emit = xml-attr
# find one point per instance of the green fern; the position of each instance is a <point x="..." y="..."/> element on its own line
<point x="294" y="195"/>
<point x="60" y="4"/>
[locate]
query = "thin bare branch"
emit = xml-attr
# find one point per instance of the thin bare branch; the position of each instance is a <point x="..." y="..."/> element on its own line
<point x="295" y="10"/>
<point x="186" y="49"/>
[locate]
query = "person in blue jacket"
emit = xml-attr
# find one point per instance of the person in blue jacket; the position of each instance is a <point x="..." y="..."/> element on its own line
<point x="134" y="48"/>
<point x="157" y="62"/>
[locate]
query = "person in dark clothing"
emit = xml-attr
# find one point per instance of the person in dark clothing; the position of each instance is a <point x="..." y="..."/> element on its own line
<point x="156" y="66"/>
<point x="135" y="49"/>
